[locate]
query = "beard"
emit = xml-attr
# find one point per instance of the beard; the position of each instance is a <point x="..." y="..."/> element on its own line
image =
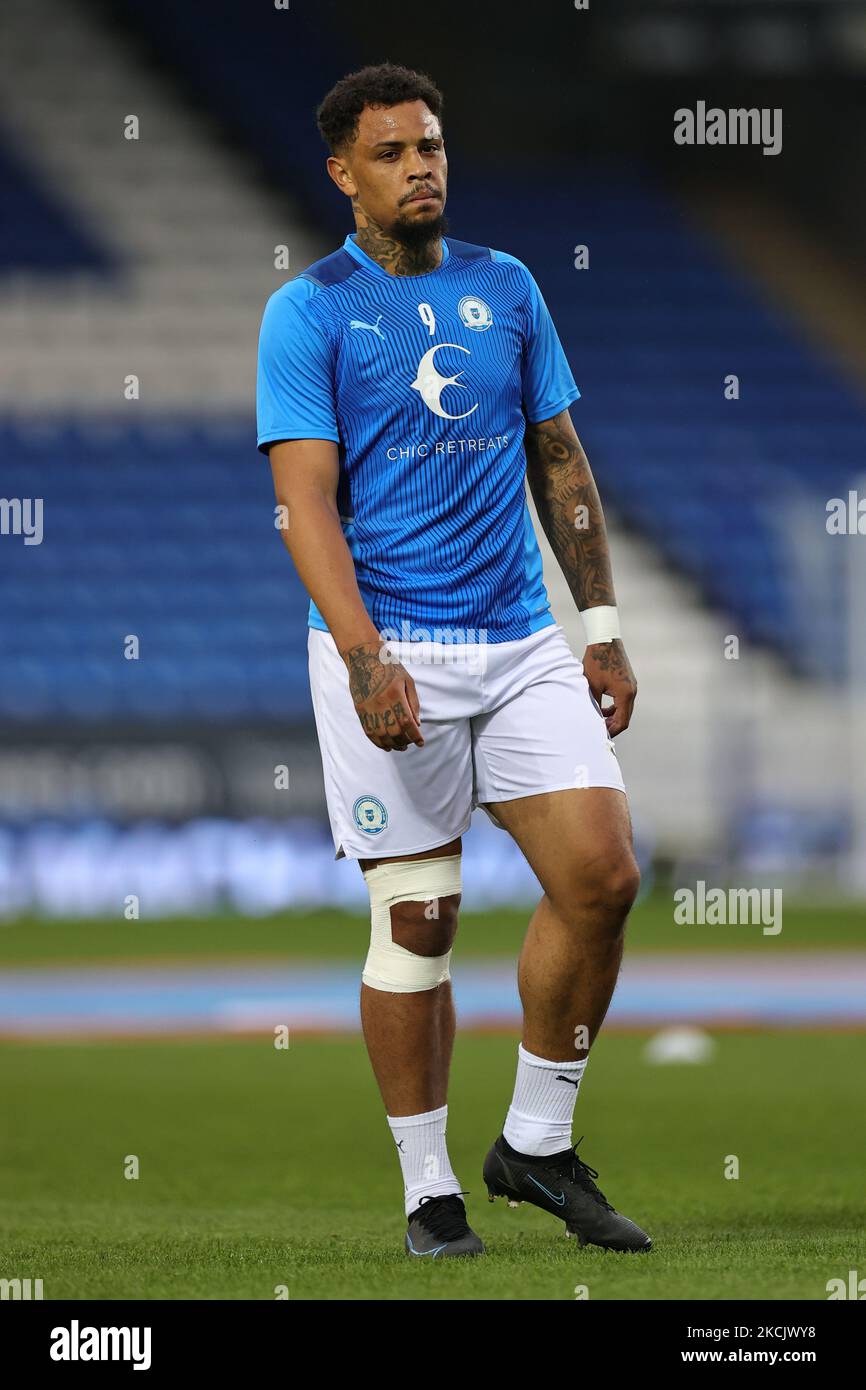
<point x="415" y="235"/>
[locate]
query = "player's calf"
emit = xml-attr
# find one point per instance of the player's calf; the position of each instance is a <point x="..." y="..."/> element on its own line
<point x="408" y="1017"/>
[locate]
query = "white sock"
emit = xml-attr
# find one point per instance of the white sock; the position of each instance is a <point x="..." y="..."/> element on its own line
<point x="423" y="1154"/>
<point x="540" y="1115"/>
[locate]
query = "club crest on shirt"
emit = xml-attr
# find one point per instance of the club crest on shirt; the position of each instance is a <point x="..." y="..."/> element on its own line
<point x="370" y="815"/>
<point x="474" y="313"/>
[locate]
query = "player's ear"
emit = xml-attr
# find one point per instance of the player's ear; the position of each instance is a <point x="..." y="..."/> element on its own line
<point x="341" y="176"/>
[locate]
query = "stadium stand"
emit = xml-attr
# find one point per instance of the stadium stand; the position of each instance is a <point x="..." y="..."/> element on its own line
<point x="171" y="485"/>
<point x="37" y="234"/>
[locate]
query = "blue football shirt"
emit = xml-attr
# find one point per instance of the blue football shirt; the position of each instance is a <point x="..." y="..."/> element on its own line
<point x="425" y="382"/>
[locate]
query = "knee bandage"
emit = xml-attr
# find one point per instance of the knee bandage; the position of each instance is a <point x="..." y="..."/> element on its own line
<point x="390" y="966"/>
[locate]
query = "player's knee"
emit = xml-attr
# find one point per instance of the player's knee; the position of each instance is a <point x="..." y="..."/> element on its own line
<point x="426" y="928"/>
<point x="624" y="882"/>
<point x="615" y="884"/>
<point x="414" y="907"/>
<point x="606" y="887"/>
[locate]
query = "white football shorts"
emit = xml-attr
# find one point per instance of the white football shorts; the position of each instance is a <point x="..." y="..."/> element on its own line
<point x="500" y="721"/>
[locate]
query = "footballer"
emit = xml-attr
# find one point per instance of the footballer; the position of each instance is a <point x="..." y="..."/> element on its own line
<point x="408" y="385"/>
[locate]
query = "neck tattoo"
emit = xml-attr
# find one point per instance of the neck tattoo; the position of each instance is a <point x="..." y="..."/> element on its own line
<point x="394" y="256"/>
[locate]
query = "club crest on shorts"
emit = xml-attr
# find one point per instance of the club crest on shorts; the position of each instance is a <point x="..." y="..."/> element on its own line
<point x="370" y="815"/>
<point x="474" y="312"/>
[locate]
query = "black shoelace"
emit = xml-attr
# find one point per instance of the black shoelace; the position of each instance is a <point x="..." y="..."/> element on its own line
<point x="581" y="1174"/>
<point x="443" y="1217"/>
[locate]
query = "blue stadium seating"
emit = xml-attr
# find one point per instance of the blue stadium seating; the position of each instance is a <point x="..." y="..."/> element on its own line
<point x="164" y="533"/>
<point x="39" y="235"/>
<point x="652" y="330"/>
<point x="166" y="530"/>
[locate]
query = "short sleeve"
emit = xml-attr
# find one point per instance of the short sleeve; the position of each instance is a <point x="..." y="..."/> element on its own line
<point x="548" y="385"/>
<point x="295" y="378"/>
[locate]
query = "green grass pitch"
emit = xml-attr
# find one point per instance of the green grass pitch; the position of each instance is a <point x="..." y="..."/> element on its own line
<point x="261" y="1168"/>
<point x="329" y="935"/>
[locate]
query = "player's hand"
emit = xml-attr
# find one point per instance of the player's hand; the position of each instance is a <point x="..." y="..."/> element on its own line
<point x="609" y="672"/>
<point x="385" y="697"/>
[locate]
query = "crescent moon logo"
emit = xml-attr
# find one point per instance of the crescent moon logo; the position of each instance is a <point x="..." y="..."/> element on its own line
<point x="430" y="384"/>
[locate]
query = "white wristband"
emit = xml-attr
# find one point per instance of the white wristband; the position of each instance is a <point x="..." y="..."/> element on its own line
<point x="600" y="624"/>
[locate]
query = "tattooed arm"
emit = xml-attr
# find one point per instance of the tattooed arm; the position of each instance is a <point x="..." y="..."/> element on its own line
<point x="569" y="508"/>
<point x="305" y="481"/>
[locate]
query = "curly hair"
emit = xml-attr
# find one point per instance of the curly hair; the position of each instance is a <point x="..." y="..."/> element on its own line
<point x="385" y="84"/>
